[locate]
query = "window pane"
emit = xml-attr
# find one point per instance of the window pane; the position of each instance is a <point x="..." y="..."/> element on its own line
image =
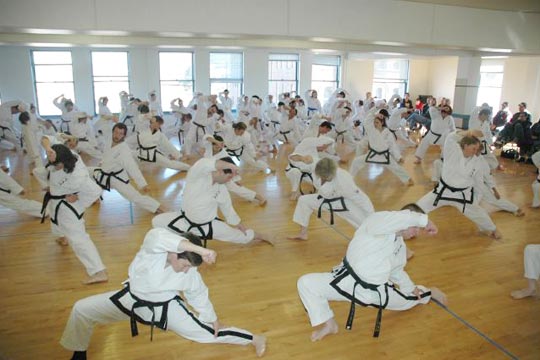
<point x="491" y="79"/>
<point x="383" y="89"/>
<point x="391" y="69"/>
<point x="489" y="95"/>
<point x="333" y="60"/>
<point x="324" y="89"/>
<point x="235" y="90"/>
<point x="110" y="63"/>
<point x="53" y="73"/>
<point x="176" y="89"/>
<point x="324" y="72"/>
<point x="226" y="66"/>
<point x="282" y="70"/>
<point x="111" y="91"/>
<point x="176" y="66"/>
<point x="285" y="57"/>
<point x="51" y="57"/>
<point x="277" y="87"/>
<point x="46" y="92"/>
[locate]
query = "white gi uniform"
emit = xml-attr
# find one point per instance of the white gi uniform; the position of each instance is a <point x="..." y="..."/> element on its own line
<point x="67" y="218"/>
<point x="180" y="128"/>
<point x="200" y="203"/>
<point x="296" y="171"/>
<point x="226" y="104"/>
<point x="117" y="167"/>
<point x="199" y="127"/>
<point x="440" y="128"/>
<point x="9" y="189"/>
<point x="531" y="261"/>
<point x="104" y="124"/>
<point x="8" y="137"/>
<point x="29" y="135"/>
<point x="343" y="128"/>
<point x="241" y="147"/>
<point x="153" y="284"/>
<point x="87" y="139"/>
<point x="340" y="196"/>
<point x="536" y="183"/>
<point x="376" y="257"/>
<point x="313" y="104"/>
<point x="396" y="126"/>
<point x="67" y="116"/>
<point x="288" y="130"/>
<point x="484" y="183"/>
<point x="231" y="185"/>
<point x="486" y="140"/>
<point x="382" y="150"/>
<point x="155" y="148"/>
<point x="456" y="186"/>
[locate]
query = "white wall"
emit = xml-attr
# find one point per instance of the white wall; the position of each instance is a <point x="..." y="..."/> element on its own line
<point x="419" y="77"/>
<point x="522" y="83"/>
<point x="359" y="78"/>
<point x="442" y="77"/>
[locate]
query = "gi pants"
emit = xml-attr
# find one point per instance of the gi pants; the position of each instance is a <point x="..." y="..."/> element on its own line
<point x="315" y="292"/>
<point x="99" y="309"/>
<point x="308" y="203"/>
<point x="531" y="261"/>
<point x="17" y="203"/>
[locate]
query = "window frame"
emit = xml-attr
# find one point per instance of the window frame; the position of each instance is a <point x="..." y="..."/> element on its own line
<point x="297" y="71"/>
<point x="317" y="62"/>
<point x="128" y="58"/>
<point x="227" y="80"/>
<point x="392" y="80"/>
<point x="35" y="82"/>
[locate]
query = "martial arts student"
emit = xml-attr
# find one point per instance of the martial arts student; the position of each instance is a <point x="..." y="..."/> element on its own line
<point x="104" y="124"/>
<point x="371" y="273"/>
<point x="238" y="144"/>
<point x="341" y="118"/>
<point x="536" y="183"/>
<point x="10" y="192"/>
<point x="85" y="134"/>
<point x="336" y="193"/>
<point x="442" y="123"/>
<point x="456" y="185"/>
<point x="29" y="134"/>
<point x="165" y="267"/>
<point x="312" y="102"/>
<point x="68" y="109"/>
<point x="381" y="149"/>
<point x="154" y="147"/>
<point x="226" y="104"/>
<point x="531" y="263"/>
<point x="215" y="148"/>
<point x="183" y="117"/>
<point x="154" y="104"/>
<point x="204" y="193"/>
<point x="70" y="192"/>
<point x="302" y="162"/>
<point x="288" y="131"/>
<point x="396" y="125"/>
<point x="8" y="137"/>
<point x="204" y="116"/>
<point x="480" y="120"/>
<point x="118" y="166"/>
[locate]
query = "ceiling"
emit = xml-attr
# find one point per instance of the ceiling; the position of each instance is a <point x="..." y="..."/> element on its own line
<point x="530" y="6"/>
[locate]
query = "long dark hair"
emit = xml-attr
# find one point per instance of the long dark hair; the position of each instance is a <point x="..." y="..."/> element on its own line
<point x="193" y="258"/>
<point x="65" y="156"/>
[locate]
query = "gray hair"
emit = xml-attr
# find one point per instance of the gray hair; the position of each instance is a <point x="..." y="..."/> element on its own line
<point x="326" y="169"/>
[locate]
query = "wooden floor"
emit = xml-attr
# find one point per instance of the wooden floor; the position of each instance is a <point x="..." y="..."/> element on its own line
<point x="254" y="286"/>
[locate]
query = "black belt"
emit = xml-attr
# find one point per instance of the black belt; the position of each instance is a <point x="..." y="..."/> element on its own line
<point x="199" y="126"/>
<point x="276" y="123"/>
<point x="284" y="133"/>
<point x="304" y="175"/>
<point x="7" y="191"/>
<point x="372" y="153"/>
<point x="484" y="147"/>
<point x="193" y="225"/>
<point x="4" y="128"/>
<point x="82" y="139"/>
<point x="149" y="156"/>
<point x="129" y="117"/>
<point x="438" y="136"/>
<point x="310" y="109"/>
<point x="393" y="132"/>
<point x="342" y="134"/>
<point x="236" y="153"/>
<point x="440" y="196"/>
<point x="54" y="216"/>
<point x="140" y="303"/>
<point x="63" y="121"/>
<point x="103" y="179"/>
<point x="331" y="209"/>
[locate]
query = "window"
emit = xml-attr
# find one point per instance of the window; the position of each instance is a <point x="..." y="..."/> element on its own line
<point x="110" y="72"/>
<point x="53" y="76"/>
<point x="390" y="76"/>
<point x="325" y="74"/>
<point x="176" y="77"/>
<point x="227" y="72"/>
<point x="491" y="78"/>
<point x="282" y="74"/>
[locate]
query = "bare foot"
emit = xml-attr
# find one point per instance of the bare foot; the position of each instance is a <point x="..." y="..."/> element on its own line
<point x="98" y="277"/>
<point x="298" y="237"/>
<point x="495" y="234"/>
<point x="439" y="296"/>
<point x="62" y="241"/>
<point x="159" y="211"/>
<point x="330" y="327"/>
<point x="260" y="199"/>
<point x="259" y="341"/>
<point x="523" y="293"/>
<point x="519" y="213"/>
